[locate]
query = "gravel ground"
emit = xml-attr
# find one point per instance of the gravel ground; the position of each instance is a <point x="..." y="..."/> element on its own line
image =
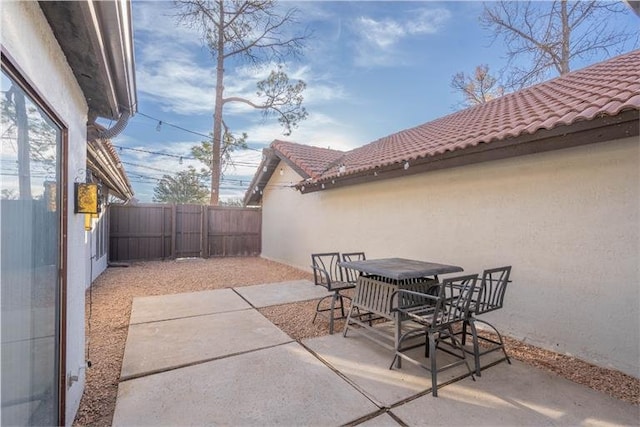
<point x="109" y="307"/>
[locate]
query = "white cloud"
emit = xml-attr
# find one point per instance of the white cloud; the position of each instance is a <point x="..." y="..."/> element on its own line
<point x="427" y="21"/>
<point x="379" y="39"/>
<point x="380" y="33"/>
<point x="242" y="83"/>
<point x="157" y="19"/>
<point x="319" y="130"/>
<point x="177" y="85"/>
<point x="184" y="81"/>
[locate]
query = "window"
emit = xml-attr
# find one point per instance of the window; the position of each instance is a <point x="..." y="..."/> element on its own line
<point x="30" y="255"/>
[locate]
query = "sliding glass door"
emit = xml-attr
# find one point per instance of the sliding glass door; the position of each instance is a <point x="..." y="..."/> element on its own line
<point x="30" y="254"/>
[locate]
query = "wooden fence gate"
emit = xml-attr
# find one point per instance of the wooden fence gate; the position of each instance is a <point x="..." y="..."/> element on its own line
<point x="158" y="231"/>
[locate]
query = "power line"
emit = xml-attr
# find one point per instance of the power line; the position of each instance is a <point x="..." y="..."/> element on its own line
<point x="237" y="181"/>
<point x="164" y="122"/>
<point x="157" y="153"/>
<point x="147" y="167"/>
<point x="177" y="156"/>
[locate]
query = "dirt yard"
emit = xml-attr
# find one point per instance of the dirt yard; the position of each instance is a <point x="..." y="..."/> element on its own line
<point x="109" y="307"/>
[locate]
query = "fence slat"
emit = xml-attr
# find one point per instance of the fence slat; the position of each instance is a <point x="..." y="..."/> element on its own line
<point x="156" y="231"/>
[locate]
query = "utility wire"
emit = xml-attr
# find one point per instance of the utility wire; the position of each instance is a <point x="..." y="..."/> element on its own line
<point x="158" y="153"/>
<point x="163" y="122"/>
<point x="177" y="156"/>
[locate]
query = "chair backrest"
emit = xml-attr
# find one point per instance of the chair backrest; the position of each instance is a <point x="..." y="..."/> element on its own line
<point x="326" y="269"/>
<point x="490" y="294"/>
<point x="454" y="298"/>
<point x="351" y="276"/>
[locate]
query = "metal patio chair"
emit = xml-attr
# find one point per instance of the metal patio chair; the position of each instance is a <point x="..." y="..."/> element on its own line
<point x="327" y="273"/>
<point x="488" y="297"/>
<point x="351" y="276"/>
<point x="438" y="315"/>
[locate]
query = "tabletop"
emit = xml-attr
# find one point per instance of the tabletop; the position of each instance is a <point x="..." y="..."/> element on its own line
<point x="400" y="268"/>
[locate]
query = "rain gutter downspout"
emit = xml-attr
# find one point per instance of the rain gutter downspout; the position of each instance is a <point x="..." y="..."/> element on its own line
<point x="116" y="129"/>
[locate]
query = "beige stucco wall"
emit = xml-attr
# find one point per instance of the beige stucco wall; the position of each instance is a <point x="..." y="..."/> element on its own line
<point x="28" y="39"/>
<point x="568" y="222"/>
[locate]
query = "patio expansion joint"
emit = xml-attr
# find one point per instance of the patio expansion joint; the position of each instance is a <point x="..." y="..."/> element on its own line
<point x="344" y="377"/>
<point x="188" y="316"/>
<point x="199" y="362"/>
<point x="428" y="391"/>
<point x="244" y="299"/>
<point x="376" y="414"/>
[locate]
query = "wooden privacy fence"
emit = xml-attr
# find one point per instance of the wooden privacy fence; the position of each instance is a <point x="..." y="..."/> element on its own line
<point x="155" y="231"/>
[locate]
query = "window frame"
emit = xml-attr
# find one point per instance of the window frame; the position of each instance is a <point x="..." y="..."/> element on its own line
<point x="10" y="67"/>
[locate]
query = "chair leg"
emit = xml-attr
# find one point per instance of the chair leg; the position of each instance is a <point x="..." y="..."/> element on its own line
<point x="396" y="338"/>
<point x="333" y="306"/>
<point x="317" y="310"/>
<point x="341" y="305"/>
<point x="476" y="346"/>
<point x="434" y="370"/>
<point x="464" y="332"/>
<point x="455" y="343"/>
<point x="504" y="350"/>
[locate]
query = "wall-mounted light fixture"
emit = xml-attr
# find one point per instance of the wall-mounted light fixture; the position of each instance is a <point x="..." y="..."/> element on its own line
<point x="86" y="198"/>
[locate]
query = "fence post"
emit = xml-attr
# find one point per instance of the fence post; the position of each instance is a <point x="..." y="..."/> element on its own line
<point x="204" y="233"/>
<point x="173" y="230"/>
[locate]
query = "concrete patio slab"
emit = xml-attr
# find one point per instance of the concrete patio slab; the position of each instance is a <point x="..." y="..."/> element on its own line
<point x="518" y="395"/>
<point x="175" y="306"/>
<point x="281" y="293"/>
<point x="366" y="365"/>
<point x="157" y="346"/>
<point x="237" y="368"/>
<point x="283" y="385"/>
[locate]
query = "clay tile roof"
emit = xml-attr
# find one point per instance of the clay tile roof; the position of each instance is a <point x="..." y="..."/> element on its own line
<point x="312" y="160"/>
<point x="606" y="88"/>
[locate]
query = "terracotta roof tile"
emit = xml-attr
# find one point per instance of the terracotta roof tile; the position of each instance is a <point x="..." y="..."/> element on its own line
<point x="312" y="160"/>
<point x="606" y="88"/>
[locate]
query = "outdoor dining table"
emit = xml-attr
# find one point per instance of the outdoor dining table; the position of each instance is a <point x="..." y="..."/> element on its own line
<point x="378" y="280"/>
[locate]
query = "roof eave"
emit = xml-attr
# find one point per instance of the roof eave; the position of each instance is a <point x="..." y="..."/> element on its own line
<point x="601" y="129"/>
<point x="97" y="39"/>
<point x="271" y="157"/>
<point x="253" y="196"/>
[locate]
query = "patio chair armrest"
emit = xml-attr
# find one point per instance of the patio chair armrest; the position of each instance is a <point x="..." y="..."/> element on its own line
<point x="395" y="296"/>
<point x="322" y="271"/>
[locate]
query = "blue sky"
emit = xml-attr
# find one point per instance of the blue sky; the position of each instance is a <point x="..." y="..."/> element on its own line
<point x="371" y="68"/>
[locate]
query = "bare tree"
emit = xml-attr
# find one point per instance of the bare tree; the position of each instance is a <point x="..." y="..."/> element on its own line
<point x="553" y="34"/>
<point x="254" y="32"/>
<point x="478" y="88"/>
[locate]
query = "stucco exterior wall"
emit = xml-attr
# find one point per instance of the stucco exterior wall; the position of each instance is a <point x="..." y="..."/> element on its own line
<point x="568" y="222"/>
<point x="28" y="39"/>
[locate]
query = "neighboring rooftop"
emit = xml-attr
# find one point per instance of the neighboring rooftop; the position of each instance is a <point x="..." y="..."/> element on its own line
<point x="581" y="101"/>
<point x="312" y="161"/>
